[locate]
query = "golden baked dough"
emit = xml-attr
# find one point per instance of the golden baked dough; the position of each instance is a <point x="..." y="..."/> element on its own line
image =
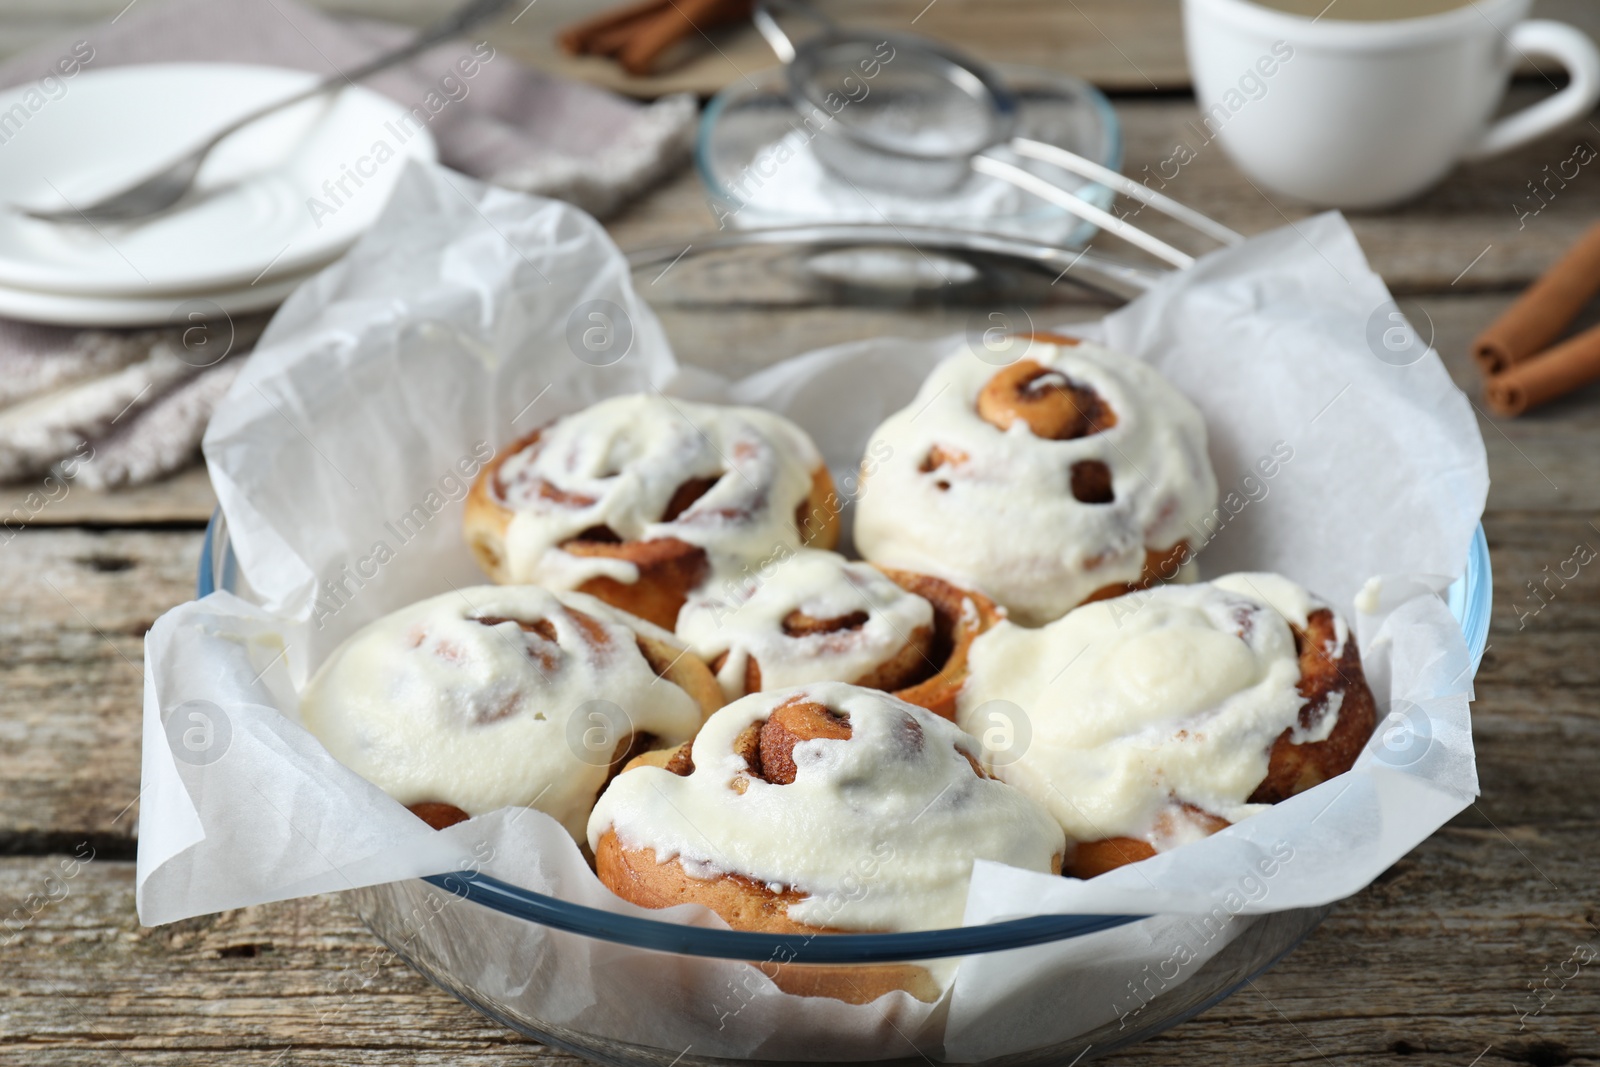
<point x="1292" y="768"/>
<point x="668" y="567"/>
<point x="1062" y="410"/>
<point x="959" y="617"/>
<point x="810" y="616"/>
<point x="1069" y="475"/>
<point x="669" y="664"/>
<point x="496" y="696"/>
<point x="744" y="904"/>
<point x="756" y="773"/>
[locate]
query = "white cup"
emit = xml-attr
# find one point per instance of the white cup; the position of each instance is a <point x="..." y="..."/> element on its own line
<point x="1363" y="114"/>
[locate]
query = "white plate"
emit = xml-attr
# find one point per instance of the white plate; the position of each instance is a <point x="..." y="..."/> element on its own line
<point x="268" y="200"/>
<point x="167" y="309"/>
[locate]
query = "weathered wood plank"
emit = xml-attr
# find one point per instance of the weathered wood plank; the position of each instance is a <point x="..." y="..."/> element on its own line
<point x="1133" y="45"/>
<point x="1436" y="958"/>
<point x="184" y="498"/>
<point x="1108" y="42"/>
<point x="79" y="602"/>
<point x="1412" y="247"/>
<point x="84" y="982"/>
<point x="71" y="658"/>
<point x="1121" y="45"/>
<point x="1420" y="246"/>
<point x="1425" y="246"/>
<point x="1541" y="461"/>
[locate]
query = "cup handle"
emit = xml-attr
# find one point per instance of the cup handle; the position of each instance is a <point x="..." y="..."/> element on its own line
<point x="1575" y="51"/>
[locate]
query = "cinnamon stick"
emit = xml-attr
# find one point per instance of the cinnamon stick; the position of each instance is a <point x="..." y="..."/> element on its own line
<point x="1541" y="314"/>
<point x="612" y="40"/>
<point x="637" y="34"/>
<point x="655" y="36"/>
<point x="1570" y="365"/>
<point x="575" y="39"/>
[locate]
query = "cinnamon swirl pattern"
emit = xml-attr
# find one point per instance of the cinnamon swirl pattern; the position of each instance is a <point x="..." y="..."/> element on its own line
<point x="818" y="617"/>
<point x="496" y="695"/>
<point x="959" y="617"/>
<point x="1072" y="474"/>
<point x="815" y="617"/>
<point x="641" y="499"/>
<point x="788" y="804"/>
<point x="1167" y="715"/>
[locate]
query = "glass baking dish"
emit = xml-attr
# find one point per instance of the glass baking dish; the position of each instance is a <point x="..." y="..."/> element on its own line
<point x="540" y="965"/>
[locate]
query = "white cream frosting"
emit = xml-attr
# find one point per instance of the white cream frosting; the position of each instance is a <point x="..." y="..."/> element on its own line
<point x="618" y="463"/>
<point x="880" y="831"/>
<point x="1005" y="521"/>
<point x="1174" y="693"/>
<point x="746" y="621"/>
<point x="430" y="705"/>
<point x="1369" y="599"/>
<point x="1289" y="599"/>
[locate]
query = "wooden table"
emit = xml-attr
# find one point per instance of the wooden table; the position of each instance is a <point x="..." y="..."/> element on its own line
<point x="1437" y="962"/>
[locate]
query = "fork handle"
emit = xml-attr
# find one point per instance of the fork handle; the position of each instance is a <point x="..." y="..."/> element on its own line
<point x="458" y="21"/>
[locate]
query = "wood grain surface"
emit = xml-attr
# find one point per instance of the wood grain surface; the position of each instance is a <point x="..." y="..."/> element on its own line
<point x="1436" y="963"/>
<point x="1125" y="46"/>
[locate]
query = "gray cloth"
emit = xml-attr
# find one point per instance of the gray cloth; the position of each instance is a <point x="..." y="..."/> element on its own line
<point x="130" y="395"/>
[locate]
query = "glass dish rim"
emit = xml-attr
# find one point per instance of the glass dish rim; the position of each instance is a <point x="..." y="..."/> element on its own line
<point x="1469" y="597"/>
<point x="1098" y="195"/>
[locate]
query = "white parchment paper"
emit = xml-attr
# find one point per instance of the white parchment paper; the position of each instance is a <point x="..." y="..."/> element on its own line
<point x="467" y="317"/>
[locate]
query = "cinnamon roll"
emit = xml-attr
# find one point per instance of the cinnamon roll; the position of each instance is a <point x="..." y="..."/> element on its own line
<point x="503" y="695"/>
<point x="959" y="617"/>
<point x="640" y="499"/>
<point x="818" y="617"/>
<point x="1164" y="716"/>
<point x="1072" y="474"/>
<point x="822" y="809"/>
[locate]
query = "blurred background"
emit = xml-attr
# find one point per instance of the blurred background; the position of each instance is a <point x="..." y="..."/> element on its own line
<point x="1123" y="46"/>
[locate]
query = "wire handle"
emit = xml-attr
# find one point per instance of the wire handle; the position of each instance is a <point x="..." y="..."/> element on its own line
<point x="781" y="43"/>
<point x="1087" y="168"/>
<point x="1074" y="204"/>
<point x="458" y="21"/>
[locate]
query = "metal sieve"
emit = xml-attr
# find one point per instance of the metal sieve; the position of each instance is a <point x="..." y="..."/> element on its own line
<point x="912" y="116"/>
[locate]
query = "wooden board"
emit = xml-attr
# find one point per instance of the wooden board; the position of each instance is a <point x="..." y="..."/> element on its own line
<point x="183" y="499"/>
<point x="1434" y="961"/>
<point x="1083" y="37"/>
<point x="71" y="658"/>
<point x="1445" y="946"/>
<point x="80" y="601"/>
<point x="1107" y="42"/>
<point x="1482" y="250"/>
<point x="1536" y="462"/>
<point x="1129" y="46"/>
<point x="1466" y="235"/>
<point x="1122" y="46"/>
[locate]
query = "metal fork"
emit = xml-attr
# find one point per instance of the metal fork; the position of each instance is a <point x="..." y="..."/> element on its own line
<point x="155" y="193"/>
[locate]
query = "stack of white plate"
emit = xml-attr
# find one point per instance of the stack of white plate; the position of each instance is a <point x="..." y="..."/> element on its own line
<point x="272" y="205"/>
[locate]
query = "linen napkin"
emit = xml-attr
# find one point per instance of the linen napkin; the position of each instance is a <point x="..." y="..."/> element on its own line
<point x="135" y="402"/>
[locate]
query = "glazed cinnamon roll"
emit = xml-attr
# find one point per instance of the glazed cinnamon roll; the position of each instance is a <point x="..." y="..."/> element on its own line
<point x="1072" y="474"/>
<point x="817" y="617"/>
<point x="822" y="809"/>
<point x="640" y="499"/>
<point x="503" y="695"/>
<point x="1161" y="717"/>
<point x="959" y="617"/>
